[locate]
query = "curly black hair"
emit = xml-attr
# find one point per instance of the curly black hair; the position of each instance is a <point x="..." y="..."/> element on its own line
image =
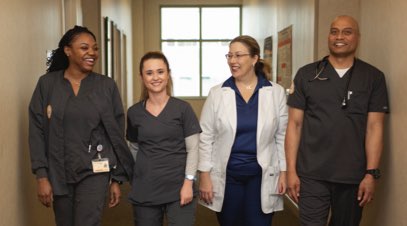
<point x="58" y="59"/>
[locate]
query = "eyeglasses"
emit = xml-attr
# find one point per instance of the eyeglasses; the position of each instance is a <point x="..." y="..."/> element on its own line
<point x="230" y="56"/>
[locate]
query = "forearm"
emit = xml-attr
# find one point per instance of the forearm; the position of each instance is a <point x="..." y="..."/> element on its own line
<point x="292" y="141"/>
<point x="192" y="146"/>
<point x="293" y="137"/>
<point x="374" y="140"/>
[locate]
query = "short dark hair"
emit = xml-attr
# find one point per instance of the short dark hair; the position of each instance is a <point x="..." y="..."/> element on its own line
<point x="58" y="59"/>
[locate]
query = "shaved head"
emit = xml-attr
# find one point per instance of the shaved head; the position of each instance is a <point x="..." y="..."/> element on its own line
<point x="343" y="37"/>
<point x="349" y="19"/>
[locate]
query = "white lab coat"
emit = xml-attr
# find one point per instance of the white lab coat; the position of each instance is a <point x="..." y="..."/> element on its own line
<point x="218" y="123"/>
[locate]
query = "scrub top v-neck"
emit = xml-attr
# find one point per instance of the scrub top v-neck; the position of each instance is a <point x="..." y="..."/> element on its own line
<point x="80" y="120"/>
<point x="160" y="164"/>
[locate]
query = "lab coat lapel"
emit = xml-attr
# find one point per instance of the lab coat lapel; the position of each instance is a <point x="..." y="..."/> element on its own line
<point x="229" y="101"/>
<point x="264" y="110"/>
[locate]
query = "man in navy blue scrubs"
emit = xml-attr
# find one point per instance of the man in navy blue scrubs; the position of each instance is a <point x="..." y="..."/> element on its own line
<point x="334" y="137"/>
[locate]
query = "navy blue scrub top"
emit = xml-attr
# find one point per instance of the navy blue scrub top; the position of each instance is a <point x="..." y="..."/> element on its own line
<point x="243" y="157"/>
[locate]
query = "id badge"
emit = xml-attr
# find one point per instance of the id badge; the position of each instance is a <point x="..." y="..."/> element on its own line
<point x="100" y="165"/>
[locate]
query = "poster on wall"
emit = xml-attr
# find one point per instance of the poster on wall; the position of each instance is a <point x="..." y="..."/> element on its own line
<point x="268" y="55"/>
<point x="107" y="36"/>
<point x="284" y="57"/>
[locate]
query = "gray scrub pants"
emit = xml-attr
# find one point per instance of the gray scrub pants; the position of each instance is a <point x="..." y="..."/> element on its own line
<point x="84" y="204"/>
<point x="176" y="215"/>
<point x="318" y="198"/>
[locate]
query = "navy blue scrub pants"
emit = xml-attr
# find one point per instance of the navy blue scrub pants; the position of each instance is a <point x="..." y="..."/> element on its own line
<point x="242" y="205"/>
<point x="85" y="202"/>
<point x="317" y="198"/>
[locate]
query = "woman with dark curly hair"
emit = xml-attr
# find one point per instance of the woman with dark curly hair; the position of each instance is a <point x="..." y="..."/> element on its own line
<point x="76" y="134"/>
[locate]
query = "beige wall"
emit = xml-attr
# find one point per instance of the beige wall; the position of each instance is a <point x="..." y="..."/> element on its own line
<point x="29" y="28"/>
<point x="383" y="28"/>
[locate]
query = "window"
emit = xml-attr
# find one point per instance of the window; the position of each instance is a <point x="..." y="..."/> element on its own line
<point x="195" y="41"/>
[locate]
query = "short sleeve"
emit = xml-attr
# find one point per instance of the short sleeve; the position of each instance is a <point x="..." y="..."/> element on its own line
<point x="131" y="131"/>
<point x="379" y="101"/>
<point x="190" y="122"/>
<point x="296" y="98"/>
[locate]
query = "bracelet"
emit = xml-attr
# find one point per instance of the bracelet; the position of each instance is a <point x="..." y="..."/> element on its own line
<point x="190" y="177"/>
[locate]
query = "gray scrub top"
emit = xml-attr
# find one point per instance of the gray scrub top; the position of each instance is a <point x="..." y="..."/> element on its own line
<point x="82" y="127"/>
<point x="332" y="146"/>
<point x="159" y="170"/>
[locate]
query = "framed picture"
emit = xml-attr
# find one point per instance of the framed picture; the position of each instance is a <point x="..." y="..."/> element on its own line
<point x="107" y="47"/>
<point x="284" y="57"/>
<point x="268" y="55"/>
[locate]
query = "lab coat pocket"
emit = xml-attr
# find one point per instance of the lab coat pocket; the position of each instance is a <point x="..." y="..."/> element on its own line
<point x="271" y="179"/>
<point x="218" y="184"/>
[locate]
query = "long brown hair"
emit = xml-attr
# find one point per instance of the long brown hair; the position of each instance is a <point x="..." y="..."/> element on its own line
<point x="154" y="55"/>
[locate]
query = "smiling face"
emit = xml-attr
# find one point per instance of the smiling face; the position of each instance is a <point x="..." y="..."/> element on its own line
<point x="155" y="75"/>
<point x="240" y="61"/>
<point x="82" y="52"/>
<point x="343" y="37"/>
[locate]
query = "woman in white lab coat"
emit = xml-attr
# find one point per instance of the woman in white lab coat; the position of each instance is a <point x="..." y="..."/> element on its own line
<point x="241" y="153"/>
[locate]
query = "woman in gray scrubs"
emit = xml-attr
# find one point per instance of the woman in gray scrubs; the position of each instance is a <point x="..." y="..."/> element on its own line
<point x="76" y="134"/>
<point x="164" y="133"/>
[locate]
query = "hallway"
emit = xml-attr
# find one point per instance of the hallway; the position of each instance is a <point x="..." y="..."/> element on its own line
<point x="31" y="28"/>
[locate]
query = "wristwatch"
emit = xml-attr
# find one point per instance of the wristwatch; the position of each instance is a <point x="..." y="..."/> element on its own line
<point x="190" y="177"/>
<point x="374" y="172"/>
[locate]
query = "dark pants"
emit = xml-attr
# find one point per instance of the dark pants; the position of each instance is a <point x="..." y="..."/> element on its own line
<point x="154" y="215"/>
<point x="242" y="203"/>
<point x="317" y="198"/>
<point x="84" y="204"/>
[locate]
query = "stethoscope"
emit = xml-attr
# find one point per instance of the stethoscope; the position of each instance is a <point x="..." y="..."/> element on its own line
<point x="321" y="67"/>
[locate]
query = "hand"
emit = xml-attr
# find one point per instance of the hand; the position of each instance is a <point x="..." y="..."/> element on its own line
<point x="282" y="183"/>
<point x="205" y="187"/>
<point x="44" y="191"/>
<point x="186" y="193"/>
<point x="366" y="190"/>
<point x="115" y="194"/>
<point x="293" y="184"/>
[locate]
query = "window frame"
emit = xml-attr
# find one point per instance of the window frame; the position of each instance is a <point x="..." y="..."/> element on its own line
<point x="200" y="40"/>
